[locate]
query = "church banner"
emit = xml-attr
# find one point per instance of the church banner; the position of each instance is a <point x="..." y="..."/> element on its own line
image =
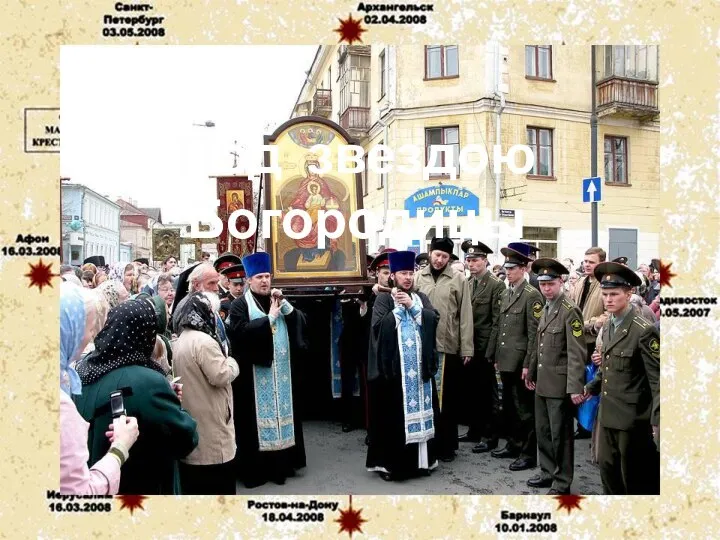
<point x="296" y="187"/>
<point x="235" y="193"/>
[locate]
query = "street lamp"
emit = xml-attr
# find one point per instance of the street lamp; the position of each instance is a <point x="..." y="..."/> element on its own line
<point x="207" y="123"/>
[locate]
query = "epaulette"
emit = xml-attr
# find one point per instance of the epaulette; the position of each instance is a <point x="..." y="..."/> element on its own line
<point x="641" y="322"/>
<point x="530" y="288"/>
<point x="493" y="277"/>
<point x="567" y="305"/>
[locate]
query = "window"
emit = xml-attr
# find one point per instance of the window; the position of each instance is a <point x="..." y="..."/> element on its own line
<point x="616" y="160"/>
<point x="538" y="61"/>
<point x="544" y="238"/>
<point x="366" y="174"/>
<point x="383" y="73"/>
<point x="441" y="61"/>
<point x="354" y="82"/>
<point x="630" y="61"/>
<point x="540" y="142"/>
<point x="446" y="136"/>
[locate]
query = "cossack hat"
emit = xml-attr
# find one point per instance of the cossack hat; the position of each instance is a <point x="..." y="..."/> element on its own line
<point x="235" y="273"/>
<point x="612" y="275"/>
<point x="443" y="244"/>
<point x="621" y="260"/>
<point x="381" y="259"/>
<point x="97" y="260"/>
<point x="257" y="263"/>
<point x="226" y="260"/>
<point x="513" y="258"/>
<point x="474" y="250"/>
<point x="402" y="260"/>
<point x="548" y="269"/>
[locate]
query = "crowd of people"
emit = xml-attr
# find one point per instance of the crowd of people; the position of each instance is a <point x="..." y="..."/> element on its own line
<point x="206" y="361"/>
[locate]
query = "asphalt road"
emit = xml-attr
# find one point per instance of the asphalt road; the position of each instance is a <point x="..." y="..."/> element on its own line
<point x="336" y="466"/>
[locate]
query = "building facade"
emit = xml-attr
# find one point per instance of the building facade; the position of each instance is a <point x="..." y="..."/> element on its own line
<point x="136" y="229"/>
<point x="90" y="225"/>
<point x="487" y="95"/>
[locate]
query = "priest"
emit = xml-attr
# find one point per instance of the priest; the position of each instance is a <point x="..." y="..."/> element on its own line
<point x="401" y="375"/>
<point x="269" y="335"/>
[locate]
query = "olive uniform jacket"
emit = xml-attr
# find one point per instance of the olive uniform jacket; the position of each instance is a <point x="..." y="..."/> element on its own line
<point x="558" y="365"/>
<point x="513" y="337"/>
<point x="486" y="298"/>
<point x="450" y="296"/>
<point x="628" y="380"/>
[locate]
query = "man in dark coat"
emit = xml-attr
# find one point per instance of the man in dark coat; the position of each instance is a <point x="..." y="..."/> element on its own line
<point x="557" y="374"/>
<point x="402" y="378"/>
<point x="269" y="335"/>
<point x="629" y="387"/>
<point x="480" y="389"/>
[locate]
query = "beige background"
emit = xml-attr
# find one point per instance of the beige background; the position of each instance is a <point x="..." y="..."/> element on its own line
<point x="688" y="34"/>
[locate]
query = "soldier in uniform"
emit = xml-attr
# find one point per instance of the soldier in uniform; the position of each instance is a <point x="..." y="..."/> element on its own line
<point x="628" y="383"/>
<point x="422" y="260"/>
<point x="235" y="276"/>
<point x="481" y="391"/>
<point x="225" y="260"/>
<point x="530" y="252"/>
<point x="557" y="374"/>
<point x="512" y="343"/>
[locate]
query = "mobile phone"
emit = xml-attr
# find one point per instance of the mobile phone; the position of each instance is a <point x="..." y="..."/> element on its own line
<point x="117" y="405"/>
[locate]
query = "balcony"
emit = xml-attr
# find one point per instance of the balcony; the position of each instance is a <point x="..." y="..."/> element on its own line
<point x="356" y="120"/>
<point x="357" y="50"/>
<point x="322" y="103"/>
<point x="618" y="96"/>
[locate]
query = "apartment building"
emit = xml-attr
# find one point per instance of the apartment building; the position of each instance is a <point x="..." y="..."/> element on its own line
<point x="493" y="94"/>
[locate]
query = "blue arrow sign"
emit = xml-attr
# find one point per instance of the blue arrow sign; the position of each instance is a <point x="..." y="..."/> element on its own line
<point x="591" y="190"/>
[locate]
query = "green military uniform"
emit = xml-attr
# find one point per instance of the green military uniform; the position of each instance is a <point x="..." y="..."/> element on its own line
<point x="629" y="386"/>
<point x="481" y="391"/>
<point x="512" y="343"/>
<point x="558" y="369"/>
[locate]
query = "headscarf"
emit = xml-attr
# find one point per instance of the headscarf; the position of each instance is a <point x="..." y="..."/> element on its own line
<point x="110" y="289"/>
<point x="72" y="332"/>
<point x="72" y="278"/>
<point x="196" y="313"/>
<point x="117" y="271"/>
<point x="128" y="339"/>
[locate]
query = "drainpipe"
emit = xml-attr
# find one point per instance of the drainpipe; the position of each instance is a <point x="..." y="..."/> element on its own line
<point x="386" y="190"/>
<point x="498" y="133"/>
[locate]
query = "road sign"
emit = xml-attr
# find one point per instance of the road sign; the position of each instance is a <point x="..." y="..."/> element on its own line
<point x="591" y="190"/>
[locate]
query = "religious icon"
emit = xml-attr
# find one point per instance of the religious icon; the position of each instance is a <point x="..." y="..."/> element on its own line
<point x="313" y="192"/>
<point x="235" y="199"/>
<point x="166" y="243"/>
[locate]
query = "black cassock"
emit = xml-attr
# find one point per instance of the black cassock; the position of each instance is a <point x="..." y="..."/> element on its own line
<point x="387" y="449"/>
<point x="252" y="344"/>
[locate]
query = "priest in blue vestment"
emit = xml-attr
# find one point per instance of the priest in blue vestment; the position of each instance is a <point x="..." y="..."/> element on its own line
<point x="401" y="378"/>
<point x="268" y="336"/>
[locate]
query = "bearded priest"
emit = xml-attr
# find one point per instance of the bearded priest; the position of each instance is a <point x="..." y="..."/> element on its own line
<point x="268" y="335"/>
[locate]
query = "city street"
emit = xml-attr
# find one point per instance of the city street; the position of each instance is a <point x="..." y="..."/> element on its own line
<point x="336" y="466"/>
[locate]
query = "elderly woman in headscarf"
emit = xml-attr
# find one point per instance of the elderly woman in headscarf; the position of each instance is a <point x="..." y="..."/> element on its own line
<point x="114" y="292"/>
<point x="77" y="327"/>
<point x="127" y="274"/>
<point x="122" y="360"/>
<point x="96" y="308"/>
<point x="207" y="371"/>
